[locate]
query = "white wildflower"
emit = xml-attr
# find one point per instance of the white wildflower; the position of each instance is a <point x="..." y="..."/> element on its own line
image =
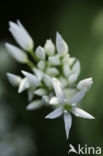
<point x="54" y="60"/>
<point x="14" y="79"/>
<point x="52" y="71"/>
<point x="67" y="106"/>
<point x="61" y="45"/>
<point x="16" y="53"/>
<point x="40" y="53"/>
<point x="41" y="65"/>
<point x="33" y="80"/>
<point x="53" y="81"/>
<point x="21" y="35"/>
<point x="24" y="84"/>
<point x="86" y="83"/>
<point x="49" y="47"/>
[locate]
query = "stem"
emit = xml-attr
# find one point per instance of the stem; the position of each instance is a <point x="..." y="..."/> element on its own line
<point x="30" y="64"/>
<point x="33" y="55"/>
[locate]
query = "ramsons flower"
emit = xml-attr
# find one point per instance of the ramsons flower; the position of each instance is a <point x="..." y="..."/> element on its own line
<point x="67" y="106"/>
<point x="53" y="80"/>
<point x="21" y="36"/>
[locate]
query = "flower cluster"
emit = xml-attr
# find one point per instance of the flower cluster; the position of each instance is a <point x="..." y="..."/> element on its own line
<point x="53" y="78"/>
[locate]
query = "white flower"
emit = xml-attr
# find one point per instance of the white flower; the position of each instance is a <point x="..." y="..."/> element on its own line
<point x="41" y="65"/>
<point x="66" y="70"/>
<point x="16" y="53"/>
<point x="14" y="79"/>
<point x="49" y="47"/>
<point x="24" y="84"/>
<point x="53" y="81"/>
<point x="33" y="80"/>
<point x="58" y="90"/>
<point x="52" y="71"/>
<point x="62" y="47"/>
<point x="54" y="60"/>
<point x="21" y="35"/>
<point x="64" y="81"/>
<point x="75" y="73"/>
<point x="66" y="106"/>
<point x="86" y="83"/>
<point x="38" y="73"/>
<point x="40" y="53"/>
<point x="47" y="81"/>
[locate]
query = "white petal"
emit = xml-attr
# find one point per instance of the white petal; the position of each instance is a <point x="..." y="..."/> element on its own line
<point x="40" y="92"/>
<point x="21" y="35"/>
<point x="38" y="73"/>
<point x="49" y="47"/>
<point x="68" y="123"/>
<point x="58" y="90"/>
<point x="34" y="105"/>
<point x="24" y="84"/>
<point x="81" y="113"/>
<point x="41" y="65"/>
<point x="40" y="53"/>
<point x="14" y="79"/>
<point x="30" y="94"/>
<point x="72" y="78"/>
<point x="71" y="60"/>
<point x="86" y="83"/>
<point x="54" y="101"/>
<point x="63" y="81"/>
<point x="66" y="70"/>
<point x="47" y="80"/>
<point x="78" y="96"/>
<point x="61" y="45"/>
<point x="76" y="67"/>
<point x="16" y="53"/>
<point x="55" y="114"/>
<point x="33" y="80"/>
<point x="54" y="60"/>
<point x="45" y="100"/>
<point x="52" y="71"/>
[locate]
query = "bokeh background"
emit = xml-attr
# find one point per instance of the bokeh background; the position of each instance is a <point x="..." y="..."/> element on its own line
<point x="25" y="133"/>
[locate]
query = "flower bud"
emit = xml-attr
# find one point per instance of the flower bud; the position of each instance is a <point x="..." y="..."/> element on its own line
<point x="14" y="79"/>
<point x="49" y="47"/>
<point x="41" y="65"/>
<point x="40" y="92"/>
<point x="61" y="45"/>
<point x="40" y="53"/>
<point x="52" y="71"/>
<point x="16" y="53"/>
<point x="21" y="36"/>
<point x="54" y="60"/>
<point x="86" y="83"/>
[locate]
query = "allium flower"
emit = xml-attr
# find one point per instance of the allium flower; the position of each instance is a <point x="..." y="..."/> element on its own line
<point x="53" y="78"/>
<point x="21" y="35"/>
<point x="67" y="106"/>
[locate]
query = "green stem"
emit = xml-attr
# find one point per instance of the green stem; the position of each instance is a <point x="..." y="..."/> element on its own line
<point x="30" y="64"/>
<point x="33" y="55"/>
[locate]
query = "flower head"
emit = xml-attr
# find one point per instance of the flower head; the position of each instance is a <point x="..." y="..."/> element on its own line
<point x="53" y="78"/>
